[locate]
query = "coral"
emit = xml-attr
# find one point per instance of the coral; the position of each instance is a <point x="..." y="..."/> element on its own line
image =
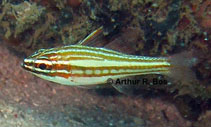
<point x="204" y="14"/>
<point x="22" y="16"/>
<point x="26" y="15"/>
<point x="60" y="4"/>
<point x="74" y="3"/>
<point x="204" y="120"/>
<point x="5" y="24"/>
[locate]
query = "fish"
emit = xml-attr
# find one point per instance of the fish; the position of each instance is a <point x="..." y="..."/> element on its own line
<point x="82" y="65"/>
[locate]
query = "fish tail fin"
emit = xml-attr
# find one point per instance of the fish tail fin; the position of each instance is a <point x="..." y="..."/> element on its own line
<point x="181" y="65"/>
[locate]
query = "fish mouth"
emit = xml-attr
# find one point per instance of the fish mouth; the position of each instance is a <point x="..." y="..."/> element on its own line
<point x="23" y="65"/>
<point x="26" y="65"/>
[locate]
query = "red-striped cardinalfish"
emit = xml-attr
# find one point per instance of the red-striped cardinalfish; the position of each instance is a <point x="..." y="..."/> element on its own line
<point x="80" y="65"/>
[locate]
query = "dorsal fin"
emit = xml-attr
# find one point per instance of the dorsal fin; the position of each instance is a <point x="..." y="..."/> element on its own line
<point x="125" y="41"/>
<point x="92" y="38"/>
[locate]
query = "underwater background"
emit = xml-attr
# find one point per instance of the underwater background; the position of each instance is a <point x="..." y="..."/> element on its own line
<point x="138" y="27"/>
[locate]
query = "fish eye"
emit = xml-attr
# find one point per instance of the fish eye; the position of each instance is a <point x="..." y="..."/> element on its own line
<point x="42" y="66"/>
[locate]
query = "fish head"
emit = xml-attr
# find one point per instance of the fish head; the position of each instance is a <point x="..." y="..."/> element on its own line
<point x="38" y="63"/>
<point x="45" y="64"/>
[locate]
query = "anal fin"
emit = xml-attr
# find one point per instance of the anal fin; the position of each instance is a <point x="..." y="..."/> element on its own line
<point x="128" y="85"/>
